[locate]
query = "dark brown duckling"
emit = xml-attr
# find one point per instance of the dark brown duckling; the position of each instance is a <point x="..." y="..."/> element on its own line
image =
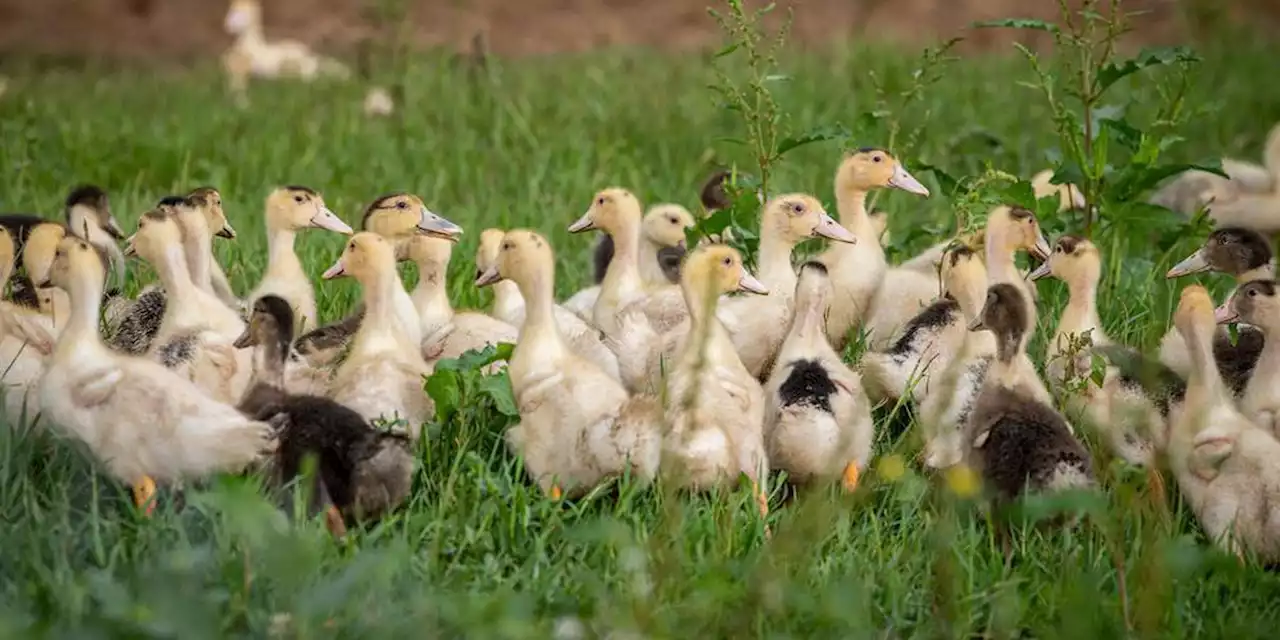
<point x="1245" y="255"/>
<point x="362" y="472"/>
<point x="1014" y="441"/>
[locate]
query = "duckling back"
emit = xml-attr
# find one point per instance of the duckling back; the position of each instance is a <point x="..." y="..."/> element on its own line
<point x="1018" y="443"/>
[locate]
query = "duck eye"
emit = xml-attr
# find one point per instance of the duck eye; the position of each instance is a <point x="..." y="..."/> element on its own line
<point x="402" y="205"/>
<point x="1253" y="293"/>
<point x="673" y="220"/>
<point x="728" y="262"/>
<point x="297" y="199"/>
<point x="797" y="207"/>
<point x="506" y="246"/>
<point x="600" y="201"/>
<point x="877" y="158"/>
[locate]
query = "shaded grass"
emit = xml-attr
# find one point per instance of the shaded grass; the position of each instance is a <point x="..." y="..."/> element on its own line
<point x="478" y="550"/>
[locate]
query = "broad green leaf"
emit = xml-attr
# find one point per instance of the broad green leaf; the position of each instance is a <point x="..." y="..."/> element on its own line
<point x="1017" y="23"/>
<point x="1112" y="72"/>
<point x="444" y="387"/>
<point x="818" y="134"/>
<point x="498" y="387"/>
<point x="1020" y="194"/>
<point x="1136" y="180"/>
<point x="1122" y="132"/>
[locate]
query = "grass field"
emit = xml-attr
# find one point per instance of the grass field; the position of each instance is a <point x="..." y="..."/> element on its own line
<point x="478" y="551"/>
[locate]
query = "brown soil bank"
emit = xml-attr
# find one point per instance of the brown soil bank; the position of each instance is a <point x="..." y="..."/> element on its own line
<point x="189" y="28"/>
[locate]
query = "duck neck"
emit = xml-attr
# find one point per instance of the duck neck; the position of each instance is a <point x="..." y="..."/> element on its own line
<point x="1004" y="369"/>
<point x="1269" y="359"/>
<point x="6" y="271"/>
<point x="809" y="324"/>
<point x="1081" y="312"/>
<point x="379" y="302"/>
<point x="430" y="296"/>
<point x="85" y="297"/>
<point x="623" y="275"/>
<point x="970" y="296"/>
<point x="281" y="259"/>
<point x="851" y="203"/>
<point x="774" y="262"/>
<point x="507" y="299"/>
<point x="199" y="259"/>
<point x="268" y="363"/>
<point x="539" y="300"/>
<point x="174" y="275"/>
<point x="647" y="264"/>
<point x="999" y="257"/>
<point x="1205" y="382"/>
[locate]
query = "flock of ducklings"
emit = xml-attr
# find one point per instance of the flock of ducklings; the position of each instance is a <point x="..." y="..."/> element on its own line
<point x="654" y="370"/>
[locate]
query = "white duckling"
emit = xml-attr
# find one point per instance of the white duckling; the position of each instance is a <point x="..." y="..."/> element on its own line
<point x="144" y="422"/>
<point x="1010" y="230"/>
<point x="209" y="201"/>
<point x="577" y="425"/>
<point x="289" y="210"/>
<point x="1190" y="190"/>
<point x="450" y="332"/>
<point x="22" y="348"/>
<point x="617" y="212"/>
<point x="857" y="270"/>
<point x="251" y="55"/>
<point x="1256" y="303"/>
<point x="1228" y="468"/>
<point x="715" y="407"/>
<point x="382" y="376"/>
<point x="509" y="307"/>
<point x="817" y="418"/>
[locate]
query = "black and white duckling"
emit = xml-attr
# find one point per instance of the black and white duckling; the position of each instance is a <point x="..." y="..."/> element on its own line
<point x="508" y="306"/>
<point x="1257" y="304"/>
<point x="578" y="427"/>
<point x="857" y="269"/>
<point x="1013" y="439"/>
<point x="143" y="421"/>
<point x="361" y="472"/>
<point x="932" y="338"/>
<point x="662" y="223"/>
<point x="288" y="211"/>
<point x="1246" y="255"/>
<point x="1227" y="467"/>
<point x="382" y="375"/>
<point x="817" y="418"/>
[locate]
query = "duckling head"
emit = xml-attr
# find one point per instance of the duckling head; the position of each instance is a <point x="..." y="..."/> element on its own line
<point x="611" y="211"/>
<point x="797" y="216"/>
<point x="713" y="195"/>
<point x="1069" y="195"/>
<point x="664" y="225"/>
<point x="1254" y="303"/>
<point x="524" y="256"/>
<point x="813" y="288"/>
<point x="1194" y="317"/>
<point x="74" y="261"/>
<point x="872" y="168"/>
<point x="1011" y="229"/>
<point x="719" y="269"/>
<point x="241" y="16"/>
<point x="1006" y="314"/>
<point x="1074" y="260"/>
<point x="401" y="215"/>
<point x="209" y="201"/>
<point x="158" y="234"/>
<point x="39" y="249"/>
<point x="193" y="221"/>
<point x="88" y="204"/>
<point x="295" y="208"/>
<point x="1230" y="250"/>
<point x="270" y="324"/>
<point x="964" y="277"/>
<point x="366" y="257"/>
<point x="487" y="252"/>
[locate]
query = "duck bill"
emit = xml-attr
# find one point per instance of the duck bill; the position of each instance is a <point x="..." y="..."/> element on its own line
<point x="1042" y="271"/>
<point x="489" y="277"/>
<point x="326" y="219"/>
<point x="585" y="223"/>
<point x="336" y="271"/>
<point x="226" y="232"/>
<point x="438" y="227"/>
<point x="977" y="324"/>
<point x="830" y="229"/>
<point x="748" y="283"/>
<point x="1041" y="249"/>
<point x="1194" y="263"/>
<point x="244" y="341"/>
<point x="907" y="182"/>
<point x="113" y="228"/>
<point x="130" y="249"/>
<point x="1225" y="314"/>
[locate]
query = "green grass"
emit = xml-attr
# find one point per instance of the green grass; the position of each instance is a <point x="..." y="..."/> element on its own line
<point x="478" y="551"/>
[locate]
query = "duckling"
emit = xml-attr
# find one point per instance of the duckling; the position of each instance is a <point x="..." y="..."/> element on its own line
<point x="252" y="55"/>
<point x="715" y="407"/>
<point x="932" y="338"/>
<point x="88" y="215"/>
<point x="22" y="349"/>
<point x="1256" y="303"/>
<point x="143" y="421"/>
<point x="1191" y="190"/>
<point x="289" y="210"/>
<point x="382" y="376"/>
<point x="361" y="472"/>
<point x="577" y="425"/>
<point x="1246" y="255"/>
<point x="1075" y="261"/>
<point x="858" y="269"/>
<point x="508" y="306"/>
<point x="1016" y="441"/>
<point x="1009" y="230"/>
<point x="661" y="245"/>
<point x="817" y="418"/>
<point x="452" y="333"/>
<point x="1225" y="464"/>
<point x="209" y="201"/>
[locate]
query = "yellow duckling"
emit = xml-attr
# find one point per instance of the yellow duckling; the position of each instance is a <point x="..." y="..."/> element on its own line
<point x="577" y="425"/>
<point x="252" y="55"/>
<point x="617" y="212"/>
<point x="1010" y="230"/>
<point x="444" y="330"/>
<point x="209" y="201"/>
<point x="383" y="374"/>
<point x="662" y="240"/>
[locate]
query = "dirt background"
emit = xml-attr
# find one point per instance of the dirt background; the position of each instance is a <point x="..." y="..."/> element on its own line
<point x="171" y="30"/>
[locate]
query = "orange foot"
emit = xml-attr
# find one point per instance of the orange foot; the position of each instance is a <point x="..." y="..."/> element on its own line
<point x="556" y="493"/>
<point x="850" y="477"/>
<point x="334" y="523"/>
<point x="144" y="493"/>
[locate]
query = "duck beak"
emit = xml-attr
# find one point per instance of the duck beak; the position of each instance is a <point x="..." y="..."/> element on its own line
<point x="905" y="181"/>
<point x="113" y="228"/>
<point x="245" y="340"/>
<point x="1194" y="263"/>
<point x="336" y="271"/>
<point x="748" y="283"/>
<point x="977" y="324"/>
<point x="226" y="232"/>
<point x="583" y="224"/>
<point x="1226" y="314"/>
<point x="437" y="227"/>
<point x="1041" y="249"/>
<point x="129" y="249"/>
<point x="830" y="229"/>
<point x="326" y="219"/>
<point x="1041" y="271"/>
<point x="489" y="277"/>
